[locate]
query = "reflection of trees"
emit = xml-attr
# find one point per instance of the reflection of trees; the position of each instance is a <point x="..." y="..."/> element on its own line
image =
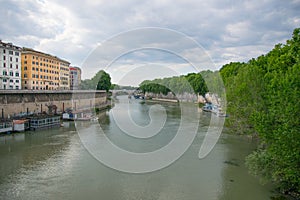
<point x="103" y="118"/>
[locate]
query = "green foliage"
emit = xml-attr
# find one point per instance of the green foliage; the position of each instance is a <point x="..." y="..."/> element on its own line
<point x="101" y="81"/>
<point x="263" y="98"/>
<point x="190" y="83"/>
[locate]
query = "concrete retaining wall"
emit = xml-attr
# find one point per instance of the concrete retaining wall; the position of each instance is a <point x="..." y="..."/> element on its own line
<point x="14" y="102"/>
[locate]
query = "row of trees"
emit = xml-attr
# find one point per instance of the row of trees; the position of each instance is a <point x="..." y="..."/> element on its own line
<point x="263" y="98"/>
<point x="191" y="83"/>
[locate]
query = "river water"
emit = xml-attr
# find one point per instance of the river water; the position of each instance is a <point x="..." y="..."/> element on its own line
<point x="54" y="164"/>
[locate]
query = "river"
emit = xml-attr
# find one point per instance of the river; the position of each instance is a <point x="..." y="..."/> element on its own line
<point x="54" y="164"/>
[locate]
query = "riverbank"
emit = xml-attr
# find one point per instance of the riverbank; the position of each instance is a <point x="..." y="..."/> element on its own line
<point x="14" y="103"/>
<point x="37" y="122"/>
<point x="38" y="164"/>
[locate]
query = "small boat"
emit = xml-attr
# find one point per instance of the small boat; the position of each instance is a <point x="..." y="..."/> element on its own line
<point x="216" y="109"/>
<point x="87" y="117"/>
<point x="207" y="108"/>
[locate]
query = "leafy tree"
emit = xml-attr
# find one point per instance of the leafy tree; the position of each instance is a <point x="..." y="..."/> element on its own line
<point x="263" y="99"/>
<point x="190" y="83"/>
<point x="101" y="81"/>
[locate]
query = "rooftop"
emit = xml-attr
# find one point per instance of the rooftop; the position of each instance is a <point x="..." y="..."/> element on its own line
<point x="9" y="45"/>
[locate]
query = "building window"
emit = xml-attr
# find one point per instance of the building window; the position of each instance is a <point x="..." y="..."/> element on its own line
<point x="11" y="73"/>
<point x="32" y="57"/>
<point x="25" y="68"/>
<point x="25" y="62"/>
<point x="17" y="81"/>
<point x="4" y="58"/>
<point x="33" y="62"/>
<point x="4" y="81"/>
<point x="4" y="64"/>
<point x="11" y="81"/>
<point x="17" y="54"/>
<point x="10" y="65"/>
<point x="33" y="68"/>
<point x="17" y="66"/>
<point x="4" y="73"/>
<point x="25" y="82"/>
<point x="41" y="76"/>
<point x="25" y="75"/>
<point x="25" y="57"/>
<point x="37" y="69"/>
<point x="17" y="74"/>
<point x="10" y="58"/>
<point x="25" y="88"/>
<point x="11" y="52"/>
<point x="32" y="82"/>
<point x="10" y="87"/>
<point x="17" y="59"/>
<point x="41" y="70"/>
<point x="17" y="87"/>
<point x="4" y="51"/>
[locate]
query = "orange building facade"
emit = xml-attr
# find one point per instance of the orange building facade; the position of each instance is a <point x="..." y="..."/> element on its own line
<point x="41" y="71"/>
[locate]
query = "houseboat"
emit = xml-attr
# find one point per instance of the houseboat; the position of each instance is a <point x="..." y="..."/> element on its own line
<point x="6" y="125"/>
<point x="44" y="121"/>
<point x="21" y="125"/>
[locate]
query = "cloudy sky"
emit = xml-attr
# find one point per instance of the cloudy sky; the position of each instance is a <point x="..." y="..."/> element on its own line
<point x="74" y="30"/>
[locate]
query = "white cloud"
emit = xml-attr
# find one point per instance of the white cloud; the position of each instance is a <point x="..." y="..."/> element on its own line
<point x="228" y="30"/>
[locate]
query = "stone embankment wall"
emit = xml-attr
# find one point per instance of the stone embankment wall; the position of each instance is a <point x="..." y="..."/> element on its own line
<point x="14" y="102"/>
<point x="186" y="97"/>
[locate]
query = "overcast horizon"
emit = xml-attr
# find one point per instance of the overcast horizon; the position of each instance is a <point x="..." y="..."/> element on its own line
<point x="228" y="31"/>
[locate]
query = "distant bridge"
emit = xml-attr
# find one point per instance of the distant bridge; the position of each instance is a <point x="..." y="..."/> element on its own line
<point x="122" y="92"/>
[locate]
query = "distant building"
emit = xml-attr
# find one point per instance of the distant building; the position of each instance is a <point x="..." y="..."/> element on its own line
<point x="75" y="78"/>
<point x="64" y="75"/>
<point x="10" y="66"/>
<point x="41" y="71"/>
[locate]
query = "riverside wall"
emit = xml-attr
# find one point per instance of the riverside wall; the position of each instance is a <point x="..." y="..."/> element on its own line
<point x="15" y="102"/>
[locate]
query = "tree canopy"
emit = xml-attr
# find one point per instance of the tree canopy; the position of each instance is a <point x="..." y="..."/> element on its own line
<point x="263" y="98"/>
<point x="101" y="81"/>
<point x="190" y="83"/>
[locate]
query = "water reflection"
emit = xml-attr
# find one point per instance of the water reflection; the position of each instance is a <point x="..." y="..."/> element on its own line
<point x="53" y="164"/>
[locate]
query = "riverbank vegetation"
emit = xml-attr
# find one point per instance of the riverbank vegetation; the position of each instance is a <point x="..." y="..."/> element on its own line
<point x="263" y="98"/>
<point x="191" y="83"/>
<point x="101" y="81"/>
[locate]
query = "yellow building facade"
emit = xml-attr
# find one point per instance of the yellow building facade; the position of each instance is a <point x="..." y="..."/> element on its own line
<point x="41" y="71"/>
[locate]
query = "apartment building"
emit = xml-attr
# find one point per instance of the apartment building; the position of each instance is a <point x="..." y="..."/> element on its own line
<point x="41" y="71"/>
<point x="75" y="78"/>
<point x="64" y="75"/>
<point x="10" y="66"/>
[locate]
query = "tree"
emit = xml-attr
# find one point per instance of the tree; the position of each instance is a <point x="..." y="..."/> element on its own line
<point x="263" y="99"/>
<point x="101" y="81"/>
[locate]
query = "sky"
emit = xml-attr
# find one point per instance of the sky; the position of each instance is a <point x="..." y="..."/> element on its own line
<point x="135" y="40"/>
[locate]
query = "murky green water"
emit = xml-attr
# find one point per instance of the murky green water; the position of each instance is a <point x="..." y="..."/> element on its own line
<point x="53" y="164"/>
